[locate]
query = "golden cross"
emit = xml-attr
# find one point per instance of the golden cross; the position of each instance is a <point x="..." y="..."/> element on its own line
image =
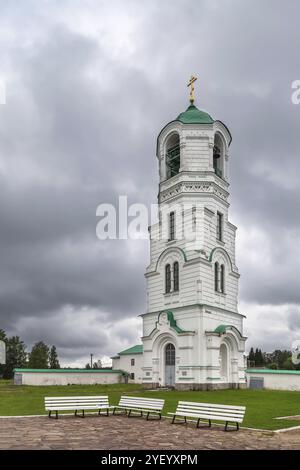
<point x="191" y="84"/>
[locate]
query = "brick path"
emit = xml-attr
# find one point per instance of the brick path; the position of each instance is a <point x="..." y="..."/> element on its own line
<point x="120" y="432"/>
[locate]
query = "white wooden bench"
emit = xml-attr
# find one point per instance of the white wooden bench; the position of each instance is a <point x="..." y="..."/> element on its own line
<point x="148" y="406"/>
<point x="208" y="411"/>
<point x="57" y="404"/>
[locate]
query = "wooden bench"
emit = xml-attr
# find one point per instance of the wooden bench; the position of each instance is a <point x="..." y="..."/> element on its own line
<point x="57" y="404"/>
<point x="208" y="411"/>
<point x="149" y="406"/>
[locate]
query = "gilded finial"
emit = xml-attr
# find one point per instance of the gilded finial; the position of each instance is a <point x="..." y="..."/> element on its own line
<point x="191" y="84"/>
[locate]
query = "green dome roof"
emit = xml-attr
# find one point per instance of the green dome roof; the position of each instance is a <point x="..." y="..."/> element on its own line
<point x="193" y="115"/>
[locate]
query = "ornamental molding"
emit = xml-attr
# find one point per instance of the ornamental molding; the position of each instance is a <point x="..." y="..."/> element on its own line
<point x="193" y="187"/>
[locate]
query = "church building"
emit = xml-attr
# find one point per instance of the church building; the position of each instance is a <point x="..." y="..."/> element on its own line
<point x="192" y="329"/>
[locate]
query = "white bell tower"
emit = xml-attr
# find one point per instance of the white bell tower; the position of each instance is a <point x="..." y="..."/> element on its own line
<point x="192" y="330"/>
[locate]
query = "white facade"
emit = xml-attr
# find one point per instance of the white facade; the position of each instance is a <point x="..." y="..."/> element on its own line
<point x="274" y="379"/>
<point x="131" y="363"/>
<point x="199" y="323"/>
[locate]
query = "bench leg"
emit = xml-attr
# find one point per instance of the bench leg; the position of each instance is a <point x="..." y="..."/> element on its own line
<point x="49" y="415"/>
<point x="237" y="426"/>
<point x="173" y="420"/>
<point x="198" y="422"/>
<point x="56" y="414"/>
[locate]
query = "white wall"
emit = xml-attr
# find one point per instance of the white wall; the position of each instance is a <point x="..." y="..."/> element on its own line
<point x="275" y="381"/>
<point x="65" y="378"/>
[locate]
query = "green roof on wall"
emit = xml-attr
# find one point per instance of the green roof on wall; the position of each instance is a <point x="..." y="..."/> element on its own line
<point x="272" y="371"/>
<point x="60" y="371"/>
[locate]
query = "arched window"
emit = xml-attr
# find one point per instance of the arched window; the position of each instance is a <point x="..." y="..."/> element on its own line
<point x="222" y="278"/>
<point x="170" y="355"/>
<point x="176" y="275"/>
<point x="217" y="277"/>
<point x="168" y="278"/>
<point x="173" y="156"/>
<point x="218" y="156"/>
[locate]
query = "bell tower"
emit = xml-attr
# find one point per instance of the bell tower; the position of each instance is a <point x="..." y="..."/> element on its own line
<point x="192" y="330"/>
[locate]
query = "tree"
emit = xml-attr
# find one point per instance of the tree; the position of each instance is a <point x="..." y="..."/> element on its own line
<point x="88" y="366"/>
<point x="15" y="356"/>
<point x="251" y="358"/>
<point x="3" y="336"/>
<point x="38" y="358"/>
<point x="53" y="359"/>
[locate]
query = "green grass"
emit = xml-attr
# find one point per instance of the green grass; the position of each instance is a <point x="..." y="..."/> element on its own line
<point x="262" y="405"/>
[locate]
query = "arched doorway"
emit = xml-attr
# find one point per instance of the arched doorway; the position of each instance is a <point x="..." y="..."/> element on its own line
<point x="224" y="362"/>
<point x="170" y="365"/>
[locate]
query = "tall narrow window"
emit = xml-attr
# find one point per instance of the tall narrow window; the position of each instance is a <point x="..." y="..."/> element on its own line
<point x="216" y="277"/>
<point x="194" y="219"/>
<point x="172" y="226"/>
<point x="220" y="226"/>
<point x="173" y="156"/>
<point x="222" y="278"/>
<point x="168" y="278"/>
<point x="176" y="275"/>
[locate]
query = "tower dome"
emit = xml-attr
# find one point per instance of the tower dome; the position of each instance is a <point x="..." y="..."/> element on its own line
<point x="193" y="115"/>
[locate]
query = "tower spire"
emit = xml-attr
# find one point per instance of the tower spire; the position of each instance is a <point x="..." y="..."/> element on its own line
<point x="191" y="85"/>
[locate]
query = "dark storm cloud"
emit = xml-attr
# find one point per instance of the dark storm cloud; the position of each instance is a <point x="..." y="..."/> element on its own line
<point x="88" y="89"/>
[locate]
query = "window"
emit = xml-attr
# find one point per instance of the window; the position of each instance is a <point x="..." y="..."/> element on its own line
<point x="132" y="362"/>
<point x="219" y="226"/>
<point x="172" y="226"/>
<point x="222" y="280"/>
<point x="170" y="355"/>
<point x="194" y="219"/>
<point x="216" y="277"/>
<point x="173" y="156"/>
<point x="168" y="278"/>
<point x="217" y="158"/>
<point x="176" y="275"/>
<point x="218" y="155"/>
<point x="132" y="376"/>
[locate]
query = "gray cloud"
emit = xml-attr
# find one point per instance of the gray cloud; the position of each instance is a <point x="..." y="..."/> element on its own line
<point x="88" y="89"/>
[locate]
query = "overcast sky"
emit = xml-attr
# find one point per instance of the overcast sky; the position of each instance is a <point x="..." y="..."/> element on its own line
<point x="89" y="85"/>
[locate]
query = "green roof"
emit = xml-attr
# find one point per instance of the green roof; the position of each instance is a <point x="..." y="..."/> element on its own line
<point x="193" y="115"/>
<point x="137" y="349"/>
<point x="272" y="371"/>
<point x="88" y="371"/>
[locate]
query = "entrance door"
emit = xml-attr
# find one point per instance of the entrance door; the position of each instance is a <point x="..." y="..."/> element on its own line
<point x="170" y="365"/>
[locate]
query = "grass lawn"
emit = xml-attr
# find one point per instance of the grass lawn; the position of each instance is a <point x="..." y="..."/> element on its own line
<point x="262" y="405"/>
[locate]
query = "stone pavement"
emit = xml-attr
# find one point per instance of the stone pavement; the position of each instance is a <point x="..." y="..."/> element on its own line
<point x="120" y="432"/>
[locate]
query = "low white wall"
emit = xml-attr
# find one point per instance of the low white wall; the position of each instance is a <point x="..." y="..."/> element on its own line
<point x="67" y="378"/>
<point x="277" y="381"/>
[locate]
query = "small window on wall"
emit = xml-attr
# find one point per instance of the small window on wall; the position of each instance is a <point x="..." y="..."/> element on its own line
<point x="172" y="226"/>
<point x="168" y="278"/>
<point x="132" y="376"/>
<point x="132" y="362"/>
<point x="220" y="226"/>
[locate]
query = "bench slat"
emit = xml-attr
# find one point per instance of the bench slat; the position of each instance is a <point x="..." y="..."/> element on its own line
<point x="211" y="405"/>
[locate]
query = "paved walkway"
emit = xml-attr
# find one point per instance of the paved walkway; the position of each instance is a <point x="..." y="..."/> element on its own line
<point x="119" y="432"/>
